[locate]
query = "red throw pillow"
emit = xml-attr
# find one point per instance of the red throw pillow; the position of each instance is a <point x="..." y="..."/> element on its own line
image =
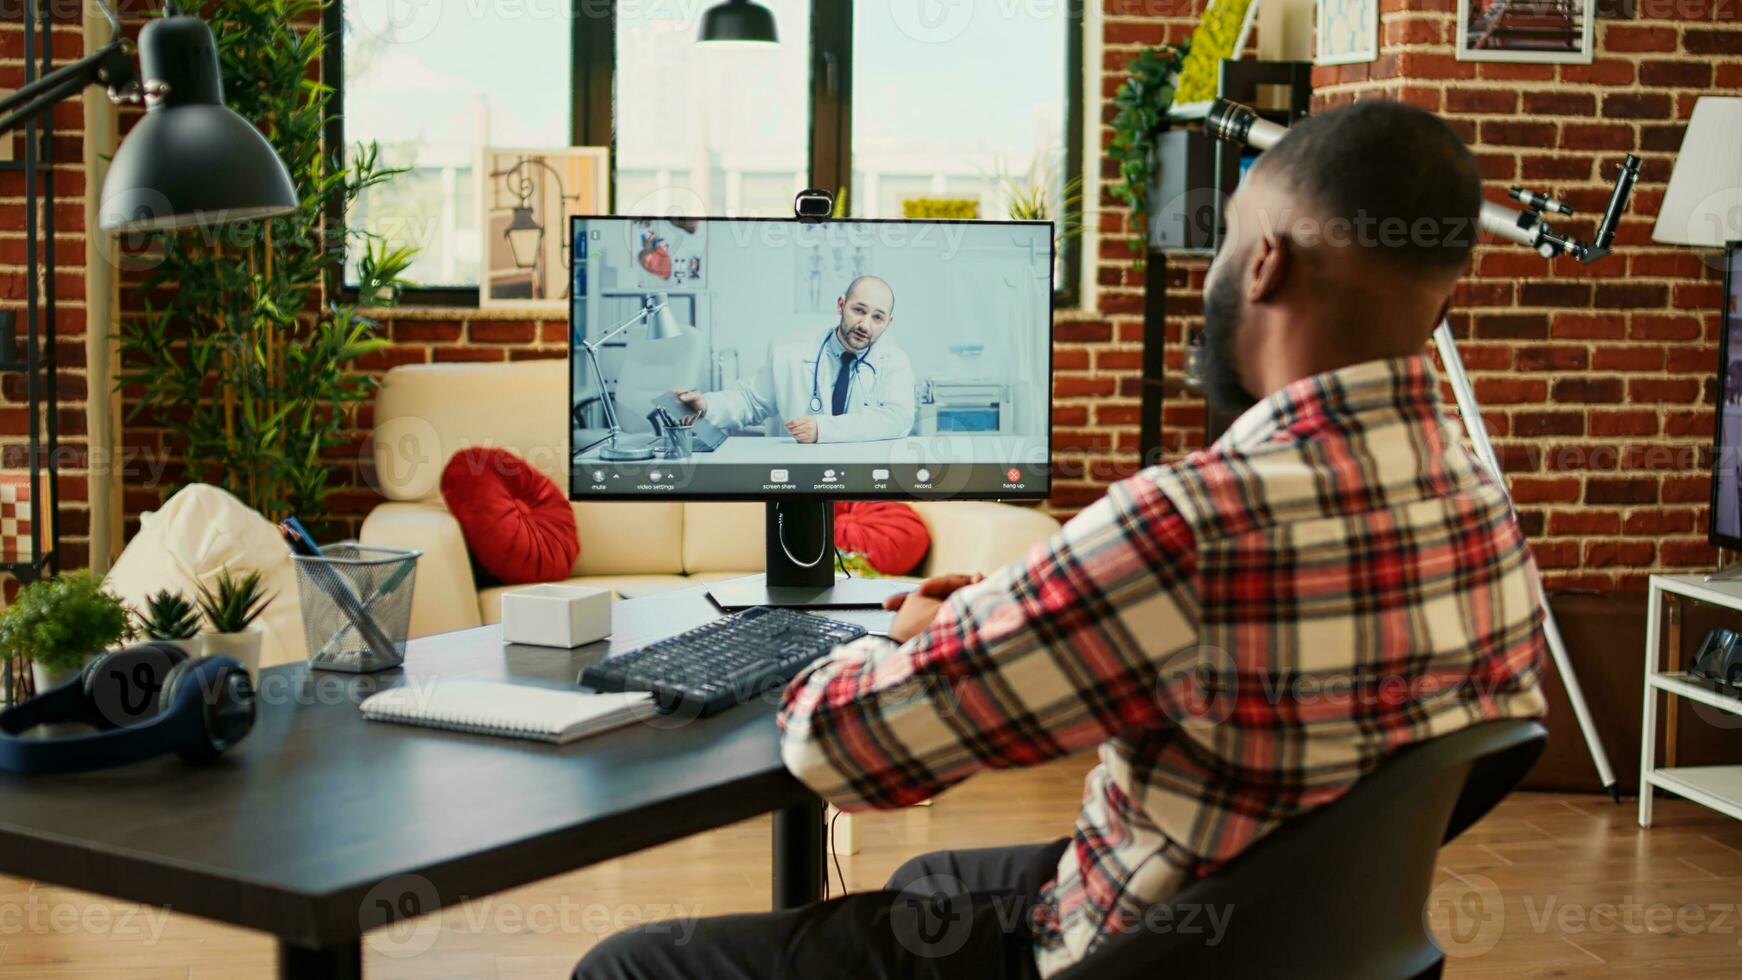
<point x="518" y="525"/>
<point x="890" y="535"/>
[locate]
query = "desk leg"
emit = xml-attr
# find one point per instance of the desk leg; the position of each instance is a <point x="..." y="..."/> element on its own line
<point x="798" y="855"/>
<point x="341" y="962"/>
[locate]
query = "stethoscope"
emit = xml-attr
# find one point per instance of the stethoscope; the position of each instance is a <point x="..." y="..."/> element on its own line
<point x="816" y="405"/>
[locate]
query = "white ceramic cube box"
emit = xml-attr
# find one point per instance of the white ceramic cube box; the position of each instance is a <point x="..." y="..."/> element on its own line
<point x="556" y="615"/>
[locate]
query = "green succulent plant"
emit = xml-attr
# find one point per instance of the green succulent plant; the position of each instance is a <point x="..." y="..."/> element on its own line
<point x="234" y="603"/>
<point x="169" y="616"/>
<point x="61" y="622"/>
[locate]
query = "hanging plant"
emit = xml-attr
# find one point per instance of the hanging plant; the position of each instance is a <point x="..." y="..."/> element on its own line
<point x="236" y="354"/>
<point x="1141" y="106"/>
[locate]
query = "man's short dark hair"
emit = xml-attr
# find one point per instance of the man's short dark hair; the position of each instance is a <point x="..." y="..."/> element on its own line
<point x="1400" y="177"/>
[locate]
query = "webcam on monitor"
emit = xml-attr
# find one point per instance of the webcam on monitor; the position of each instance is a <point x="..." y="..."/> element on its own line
<point x="813" y="204"/>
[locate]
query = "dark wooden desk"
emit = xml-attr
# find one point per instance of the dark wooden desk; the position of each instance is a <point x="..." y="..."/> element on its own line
<point x="321" y="826"/>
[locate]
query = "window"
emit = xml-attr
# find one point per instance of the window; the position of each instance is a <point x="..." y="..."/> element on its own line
<point x="909" y="114"/>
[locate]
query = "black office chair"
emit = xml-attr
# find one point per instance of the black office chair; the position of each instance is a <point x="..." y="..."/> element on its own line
<point x="1341" y="892"/>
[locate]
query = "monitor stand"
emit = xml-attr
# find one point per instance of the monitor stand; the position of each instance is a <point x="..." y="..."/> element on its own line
<point x="800" y="540"/>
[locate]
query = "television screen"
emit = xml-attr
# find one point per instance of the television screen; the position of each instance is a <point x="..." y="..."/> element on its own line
<point x="771" y="357"/>
<point x="1726" y="513"/>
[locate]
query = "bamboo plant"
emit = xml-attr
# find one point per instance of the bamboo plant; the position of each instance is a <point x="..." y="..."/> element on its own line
<point x="240" y="353"/>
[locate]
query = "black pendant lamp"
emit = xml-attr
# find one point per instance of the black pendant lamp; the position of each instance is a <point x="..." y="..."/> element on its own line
<point x="741" y="21"/>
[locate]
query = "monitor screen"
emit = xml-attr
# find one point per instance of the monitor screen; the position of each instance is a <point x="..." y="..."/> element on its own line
<point x="1726" y="520"/>
<point x="718" y="358"/>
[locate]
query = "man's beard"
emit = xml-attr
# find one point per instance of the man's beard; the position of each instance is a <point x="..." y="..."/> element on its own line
<point x="1223" y="313"/>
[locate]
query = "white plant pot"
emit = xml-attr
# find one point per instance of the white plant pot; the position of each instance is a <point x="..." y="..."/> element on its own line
<point x="243" y="646"/>
<point x="47" y="680"/>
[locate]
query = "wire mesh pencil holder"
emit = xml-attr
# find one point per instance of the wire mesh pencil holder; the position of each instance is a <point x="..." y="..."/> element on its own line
<point x="356" y="605"/>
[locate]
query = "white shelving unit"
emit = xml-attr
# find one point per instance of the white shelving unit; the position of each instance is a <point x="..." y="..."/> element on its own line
<point x="1718" y="787"/>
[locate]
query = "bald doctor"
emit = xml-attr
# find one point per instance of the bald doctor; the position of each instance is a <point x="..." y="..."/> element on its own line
<point x="847" y="385"/>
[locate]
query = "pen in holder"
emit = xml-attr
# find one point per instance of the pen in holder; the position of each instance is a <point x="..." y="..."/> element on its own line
<point x="356" y="605"/>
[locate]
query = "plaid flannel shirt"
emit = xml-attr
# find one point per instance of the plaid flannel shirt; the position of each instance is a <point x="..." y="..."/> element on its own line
<point x="1244" y="634"/>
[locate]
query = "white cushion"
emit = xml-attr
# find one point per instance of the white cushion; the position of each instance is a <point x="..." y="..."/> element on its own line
<point x="196" y="535"/>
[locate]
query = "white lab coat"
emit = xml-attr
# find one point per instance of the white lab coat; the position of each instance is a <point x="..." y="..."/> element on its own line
<point x="880" y="401"/>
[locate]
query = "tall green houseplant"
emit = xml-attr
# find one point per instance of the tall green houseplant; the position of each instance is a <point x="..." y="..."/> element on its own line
<point x="239" y="354"/>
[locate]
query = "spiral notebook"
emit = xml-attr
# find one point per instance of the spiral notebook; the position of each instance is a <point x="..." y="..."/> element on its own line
<point x="509" y="710"/>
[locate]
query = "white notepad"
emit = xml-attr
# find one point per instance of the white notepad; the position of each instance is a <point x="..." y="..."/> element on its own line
<point x="510" y="710"/>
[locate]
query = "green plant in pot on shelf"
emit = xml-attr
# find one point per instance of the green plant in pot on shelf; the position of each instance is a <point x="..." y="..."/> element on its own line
<point x="231" y="605"/>
<point x="59" y="624"/>
<point x="170" y="618"/>
<point x="1140" y="113"/>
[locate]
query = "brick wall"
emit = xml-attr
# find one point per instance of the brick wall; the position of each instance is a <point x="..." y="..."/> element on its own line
<point x="68" y="177"/>
<point x="1594" y="380"/>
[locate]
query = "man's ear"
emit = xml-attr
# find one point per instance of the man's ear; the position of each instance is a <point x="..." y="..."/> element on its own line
<point x="1268" y="268"/>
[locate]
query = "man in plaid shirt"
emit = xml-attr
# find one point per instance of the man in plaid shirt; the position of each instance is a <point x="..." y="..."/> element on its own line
<point x="1243" y="634"/>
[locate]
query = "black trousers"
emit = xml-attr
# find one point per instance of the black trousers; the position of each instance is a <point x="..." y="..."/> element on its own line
<point x="961" y="915"/>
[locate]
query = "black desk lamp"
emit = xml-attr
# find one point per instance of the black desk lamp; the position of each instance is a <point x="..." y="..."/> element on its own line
<point x="191" y="160"/>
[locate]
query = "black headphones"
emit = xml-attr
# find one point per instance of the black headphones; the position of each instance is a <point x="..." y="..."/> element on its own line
<point x="143" y="701"/>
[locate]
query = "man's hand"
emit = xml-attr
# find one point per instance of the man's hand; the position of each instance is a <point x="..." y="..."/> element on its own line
<point x="915" y="610"/>
<point x="693" y="401"/>
<point x="804" y="429"/>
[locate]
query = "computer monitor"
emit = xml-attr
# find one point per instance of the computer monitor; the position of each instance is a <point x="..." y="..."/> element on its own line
<point x="798" y="362"/>
<point x="1724" y="528"/>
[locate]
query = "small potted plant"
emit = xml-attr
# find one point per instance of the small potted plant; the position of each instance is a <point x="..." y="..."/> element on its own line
<point x="231" y="608"/>
<point x="171" y="618"/>
<point x="59" y="623"/>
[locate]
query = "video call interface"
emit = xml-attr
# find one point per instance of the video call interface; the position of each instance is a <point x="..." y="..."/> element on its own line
<point x="1727" y="461"/>
<point x="769" y="356"/>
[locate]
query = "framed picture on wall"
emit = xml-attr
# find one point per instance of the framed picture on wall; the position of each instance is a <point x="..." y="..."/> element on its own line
<point x="1347" y="32"/>
<point x="1541" y="31"/>
<point x="525" y="199"/>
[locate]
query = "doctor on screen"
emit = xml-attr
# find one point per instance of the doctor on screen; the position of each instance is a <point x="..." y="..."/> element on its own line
<point x="849" y="384"/>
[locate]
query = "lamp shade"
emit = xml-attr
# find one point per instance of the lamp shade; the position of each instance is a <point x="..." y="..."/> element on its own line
<point x="1703" y="205"/>
<point x="190" y="160"/>
<point x="664" y="325"/>
<point x="739" y="20"/>
<point x="524" y="235"/>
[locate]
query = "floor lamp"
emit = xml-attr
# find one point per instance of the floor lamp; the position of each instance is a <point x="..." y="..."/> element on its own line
<point x="1240" y="124"/>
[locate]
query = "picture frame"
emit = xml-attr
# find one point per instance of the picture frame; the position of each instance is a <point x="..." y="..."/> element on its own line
<point x="1533" y="31"/>
<point x="1346" y="32"/>
<point x="1221" y="33"/>
<point x="526" y="197"/>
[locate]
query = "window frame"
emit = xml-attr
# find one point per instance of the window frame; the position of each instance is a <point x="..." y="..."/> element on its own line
<point x="592" y="74"/>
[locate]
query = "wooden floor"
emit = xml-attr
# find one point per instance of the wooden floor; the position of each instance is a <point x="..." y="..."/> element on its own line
<point x="1547" y="886"/>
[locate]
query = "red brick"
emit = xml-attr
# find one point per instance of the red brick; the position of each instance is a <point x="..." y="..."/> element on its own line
<point x="1621" y="490"/>
<point x="1514" y="133"/>
<point x="1538" y="490"/>
<point x="1584" y="522"/>
<point x="425" y="331"/>
<point x="1082" y="331"/>
<point x="1560" y="103"/>
<point x="1600" y="391"/>
<point x="1579" y="457"/>
<point x="1424" y="65"/>
<point x="461" y="354"/>
<point x="1687" y="489"/>
<point x="1630" y="295"/>
<point x="1555" y="294"/>
<point x="1526" y="424"/>
<point x="1694" y="553"/>
<point x="1556" y="358"/>
<point x="1680" y="73"/>
<point x="1623" y="423"/>
<point x="1648" y="326"/>
<point x="1656" y="522"/>
<point x="1517" y="71"/>
<point x="1662" y="390"/>
<point x="1075" y="387"/>
<point x="1509" y="391"/>
<point x="1622" y="37"/>
<point x="1481" y="100"/>
<point x="1586" y="326"/>
<point x="1661" y="457"/>
<point x="502" y="332"/>
<point x="1511" y="326"/>
<point x="1603" y="71"/>
<point x="1628" y="359"/>
<point x="1595" y="136"/>
<point x="1557" y="167"/>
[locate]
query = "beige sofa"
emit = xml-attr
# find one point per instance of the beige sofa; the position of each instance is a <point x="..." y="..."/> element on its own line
<point x="426" y="413"/>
